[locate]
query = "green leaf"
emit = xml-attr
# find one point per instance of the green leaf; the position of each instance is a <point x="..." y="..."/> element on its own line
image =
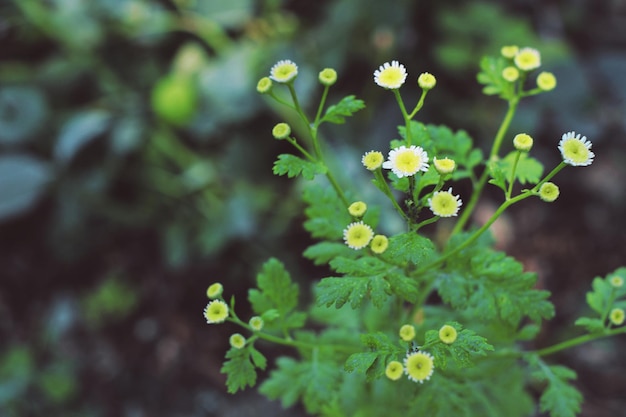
<point x="463" y="350"/>
<point x="498" y="177"/>
<point x="560" y="398"/>
<point x="327" y="216"/>
<point x="314" y="382"/>
<point x="592" y="325"/>
<point x="345" y="108"/>
<point x="240" y="369"/>
<point x="490" y="76"/>
<point x="373" y="362"/>
<point x="324" y="252"/>
<point x="409" y="248"/>
<point x="353" y="290"/>
<point x="276" y="292"/>
<point x="528" y="169"/>
<point x="294" y="166"/>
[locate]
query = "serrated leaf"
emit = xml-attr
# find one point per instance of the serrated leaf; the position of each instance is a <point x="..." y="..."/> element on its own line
<point x="560" y="398"/>
<point x="410" y="248"/>
<point x="337" y="113"/>
<point x="338" y="291"/>
<point x="326" y="214"/>
<point x="323" y="252"/>
<point x="360" y="362"/>
<point x="293" y="166"/>
<point x="258" y="359"/>
<point x="498" y="177"/>
<point x="592" y="325"/>
<point x="529" y="170"/>
<point x="463" y="350"/>
<point x="239" y="369"/>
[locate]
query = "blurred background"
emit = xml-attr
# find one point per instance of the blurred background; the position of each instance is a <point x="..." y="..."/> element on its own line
<point x="135" y="170"/>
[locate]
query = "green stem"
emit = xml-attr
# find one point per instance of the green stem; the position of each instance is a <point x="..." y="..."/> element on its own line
<point x="419" y="104"/>
<point x="387" y="191"/>
<point x="469" y="209"/>
<point x="301" y="149"/>
<point x="321" y="106"/>
<point x="405" y="115"/>
<point x="577" y="341"/>
<point x="512" y="179"/>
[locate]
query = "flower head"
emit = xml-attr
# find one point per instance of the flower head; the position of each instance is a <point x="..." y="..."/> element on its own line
<point x="214" y="290"/>
<point x="509" y="51"/>
<point x="237" y="341"/>
<point x="616" y="281"/>
<point x="357" y="235"/>
<point x="576" y="150"/>
<point x="281" y="131"/>
<point x="284" y="71"/>
<point x="328" y="76"/>
<point x="357" y="209"/>
<point x="394" y="370"/>
<point x="510" y="74"/>
<point x="216" y="312"/>
<point x="405" y="162"/>
<point x="379" y="244"/>
<point x="617" y="316"/>
<point x="444" y="166"/>
<point x="527" y="59"/>
<point x="444" y="203"/>
<point x="256" y="323"/>
<point x="549" y="192"/>
<point x="407" y="332"/>
<point x="419" y="366"/>
<point x="546" y="81"/>
<point x="447" y="334"/>
<point x="426" y="81"/>
<point x="264" y="85"/>
<point x="372" y="160"/>
<point x="390" y="76"/>
<point x="523" y="142"/>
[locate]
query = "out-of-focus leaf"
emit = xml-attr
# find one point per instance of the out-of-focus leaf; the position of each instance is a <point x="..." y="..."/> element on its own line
<point x="22" y="181"/>
<point x="81" y="129"/>
<point x="22" y="110"/>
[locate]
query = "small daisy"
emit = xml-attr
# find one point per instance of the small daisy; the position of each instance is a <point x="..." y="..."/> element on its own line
<point x="576" y="150"/>
<point x="527" y="59"/>
<point x="418" y="366"/>
<point x="379" y="244"/>
<point x="372" y="160"/>
<point x="394" y="370"/>
<point x="264" y="85"/>
<point x="444" y="203"/>
<point x="216" y="312"/>
<point x="510" y="74"/>
<point x="546" y="81"/>
<point x="617" y="316"/>
<point x="407" y="332"/>
<point x="405" y="162"/>
<point x="357" y="209"/>
<point x="237" y="341"/>
<point x="509" y="51"/>
<point x="390" y="76"/>
<point x="327" y="76"/>
<point x="549" y="192"/>
<point x="444" y="166"/>
<point x="256" y="323"/>
<point x="523" y="142"/>
<point x="616" y="281"/>
<point x="281" y="131"/>
<point x="284" y="71"/>
<point x="447" y="334"/>
<point x="357" y="235"/>
<point x="214" y="290"/>
<point x="426" y="81"/>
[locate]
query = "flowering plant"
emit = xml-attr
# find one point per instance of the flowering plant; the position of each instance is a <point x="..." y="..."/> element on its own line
<point x="407" y="324"/>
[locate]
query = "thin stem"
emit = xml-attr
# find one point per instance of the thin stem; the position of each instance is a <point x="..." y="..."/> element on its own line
<point x="419" y="104"/>
<point x="321" y="106"/>
<point x="577" y="341"/>
<point x="405" y="115"/>
<point x="512" y="179"/>
<point x="301" y="149"/>
<point x="387" y="191"/>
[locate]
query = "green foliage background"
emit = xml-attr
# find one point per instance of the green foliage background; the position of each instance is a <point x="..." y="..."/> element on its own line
<point x="136" y="168"/>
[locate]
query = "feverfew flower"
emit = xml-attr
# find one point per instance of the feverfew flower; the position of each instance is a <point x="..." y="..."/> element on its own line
<point x="444" y="166"/>
<point x="617" y="316"/>
<point x="237" y="341"/>
<point x="510" y="74"/>
<point x="281" y="131"/>
<point x="444" y="203"/>
<point x="256" y="323"/>
<point x="357" y="209"/>
<point x="546" y="81"/>
<point x="214" y="290"/>
<point x="549" y="192"/>
<point x="357" y="235"/>
<point x="509" y="51"/>
<point x="523" y="142"/>
<point x="379" y="244"/>
<point x="264" y="85"/>
<point x="576" y="150"/>
<point x="393" y="370"/>
<point x="426" y="81"/>
<point x="418" y="366"/>
<point x="390" y="76"/>
<point x="616" y="281"/>
<point x="372" y="160"/>
<point x="284" y="71"/>
<point x="327" y="76"/>
<point x="447" y="334"/>
<point x="216" y="312"/>
<point x="407" y="332"/>
<point x="405" y="162"/>
<point x="527" y="59"/>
